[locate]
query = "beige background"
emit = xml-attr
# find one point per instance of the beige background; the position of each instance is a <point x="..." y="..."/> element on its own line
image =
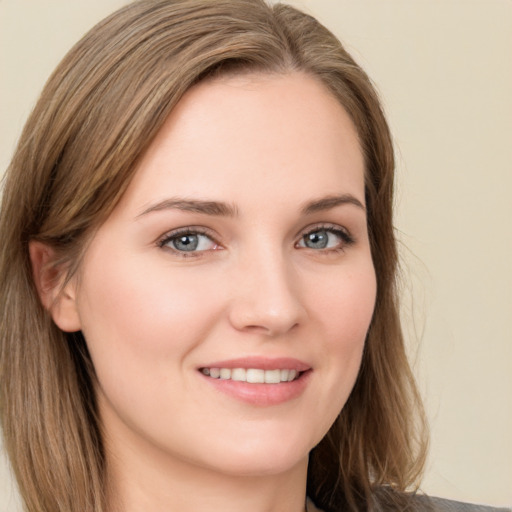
<point x="444" y="70"/>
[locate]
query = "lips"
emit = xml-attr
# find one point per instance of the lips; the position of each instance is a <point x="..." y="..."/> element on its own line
<point x="259" y="381"/>
<point x="263" y="363"/>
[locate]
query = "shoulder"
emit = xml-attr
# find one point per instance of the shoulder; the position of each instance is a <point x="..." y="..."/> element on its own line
<point x="427" y="503"/>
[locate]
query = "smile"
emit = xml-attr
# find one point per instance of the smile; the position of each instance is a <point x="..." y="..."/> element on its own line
<point x="252" y="375"/>
<point x="258" y="381"/>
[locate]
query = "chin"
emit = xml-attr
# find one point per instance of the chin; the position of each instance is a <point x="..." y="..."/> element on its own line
<point x="259" y="467"/>
<point x="257" y="458"/>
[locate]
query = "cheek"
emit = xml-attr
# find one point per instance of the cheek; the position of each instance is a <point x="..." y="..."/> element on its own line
<point x="132" y="300"/>
<point x="345" y="305"/>
<point x="344" y="309"/>
<point x="140" y="332"/>
<point x="138" y="326"/>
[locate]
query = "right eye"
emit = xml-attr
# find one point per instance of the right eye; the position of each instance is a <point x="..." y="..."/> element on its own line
<point x="189" y="241"/>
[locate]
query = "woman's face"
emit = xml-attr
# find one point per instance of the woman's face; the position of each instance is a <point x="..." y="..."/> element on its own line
<point x="226" y="300"/>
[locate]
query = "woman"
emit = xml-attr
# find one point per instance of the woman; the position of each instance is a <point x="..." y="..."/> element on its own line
<point x="198" y="273"/>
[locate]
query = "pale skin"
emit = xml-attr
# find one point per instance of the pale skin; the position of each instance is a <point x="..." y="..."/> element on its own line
<point x="243" y="235"/>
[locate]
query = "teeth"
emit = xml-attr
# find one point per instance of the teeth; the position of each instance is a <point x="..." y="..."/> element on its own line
<point x="225" y="373"/>
<point x="255" y="376"/>
<point x="252" y="375"/>
<point x="272" y="376"/>
<point x="238" y="374"/>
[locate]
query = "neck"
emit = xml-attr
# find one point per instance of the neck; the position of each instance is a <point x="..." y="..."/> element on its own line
<point x="147" y="482"/>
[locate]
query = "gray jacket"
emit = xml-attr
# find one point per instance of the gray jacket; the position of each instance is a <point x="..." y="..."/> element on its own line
<point x="443" y="505"/>
<point x="431" y="504"/>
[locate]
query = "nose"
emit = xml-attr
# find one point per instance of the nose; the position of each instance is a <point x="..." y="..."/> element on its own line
<point x="266" y="296"/>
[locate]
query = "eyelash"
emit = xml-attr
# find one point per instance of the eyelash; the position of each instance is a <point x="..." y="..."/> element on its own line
<point x="345" y="237"/>
<point x="189" y="230"/>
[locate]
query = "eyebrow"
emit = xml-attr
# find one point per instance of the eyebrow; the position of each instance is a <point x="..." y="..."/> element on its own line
<point x="221" y="209"/>
<point x="329" y="202"/>
<point x="215" y="208"/>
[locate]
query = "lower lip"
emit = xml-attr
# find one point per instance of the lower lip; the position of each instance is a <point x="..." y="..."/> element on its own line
<point x="263" y="395"/>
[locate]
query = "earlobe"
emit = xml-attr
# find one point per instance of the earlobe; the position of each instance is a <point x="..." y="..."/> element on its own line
<point x="59" y="300"/>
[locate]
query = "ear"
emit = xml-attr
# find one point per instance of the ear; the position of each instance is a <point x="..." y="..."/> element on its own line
<point x="49" y="277"/>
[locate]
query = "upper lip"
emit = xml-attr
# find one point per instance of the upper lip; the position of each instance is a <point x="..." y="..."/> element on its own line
<point x="263" y="363"/>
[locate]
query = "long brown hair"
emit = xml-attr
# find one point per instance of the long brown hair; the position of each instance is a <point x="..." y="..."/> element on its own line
<point x="96" y="116"/>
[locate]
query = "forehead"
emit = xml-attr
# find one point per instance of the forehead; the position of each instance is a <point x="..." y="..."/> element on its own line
<point x="253" y="133"/>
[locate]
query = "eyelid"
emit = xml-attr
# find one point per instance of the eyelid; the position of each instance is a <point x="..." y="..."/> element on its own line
<point x="343" y="232"/>
<point x="186" y="230"/>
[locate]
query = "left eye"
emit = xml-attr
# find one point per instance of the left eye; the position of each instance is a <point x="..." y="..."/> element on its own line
<point x="189" y="242"/>
<point x="323" y="239"/>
